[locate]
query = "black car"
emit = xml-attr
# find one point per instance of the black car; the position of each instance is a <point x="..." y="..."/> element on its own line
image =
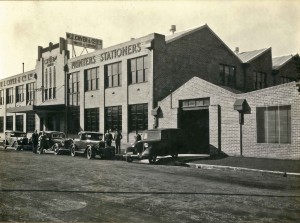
<point x="54" y="142"/>
<point x="18" y="140"/>
<point x="91" y="144"/>
<point x="156" y="142"/>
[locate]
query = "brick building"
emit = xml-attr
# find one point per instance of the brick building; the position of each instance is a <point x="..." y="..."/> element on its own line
<point x="121" y="86"/>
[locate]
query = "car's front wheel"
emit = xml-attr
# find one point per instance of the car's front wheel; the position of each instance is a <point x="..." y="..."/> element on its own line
<point x="56" y="149"/>
<point x="73" y="153"/>
<point x="152" y="159"/>
<point x="90" y="154"/>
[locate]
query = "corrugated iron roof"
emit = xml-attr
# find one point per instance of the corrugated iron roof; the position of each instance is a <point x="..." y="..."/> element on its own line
<point x="280" y="61"/>
<point x="246" y="57"/>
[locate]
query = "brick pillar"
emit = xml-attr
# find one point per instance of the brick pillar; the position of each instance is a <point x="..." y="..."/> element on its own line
<point x="214" y="129"/>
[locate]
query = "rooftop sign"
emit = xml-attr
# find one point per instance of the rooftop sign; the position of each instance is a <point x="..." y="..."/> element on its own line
<point x="84" y="41"/>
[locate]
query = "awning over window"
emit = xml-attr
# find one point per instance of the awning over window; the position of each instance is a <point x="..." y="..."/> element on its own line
<point x="35" y="108"/>
<point x="156" y="111"/>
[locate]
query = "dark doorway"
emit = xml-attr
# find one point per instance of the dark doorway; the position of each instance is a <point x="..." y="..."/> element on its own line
<point x="195" y="126"/>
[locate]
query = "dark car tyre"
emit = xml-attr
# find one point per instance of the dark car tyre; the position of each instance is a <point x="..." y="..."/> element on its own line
<point x="72" y="149"/>
<point x="129" y="159"/>
<point x="90" y="154"/>
<point x="152" y="159"/>
<point x="56" y="149"/>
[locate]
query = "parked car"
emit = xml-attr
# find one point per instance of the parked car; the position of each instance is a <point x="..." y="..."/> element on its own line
<point x="18" y="140"/>
<point x="54" y="142"/>
<point x="91" y="144"/>
<point x="156" y="142"/>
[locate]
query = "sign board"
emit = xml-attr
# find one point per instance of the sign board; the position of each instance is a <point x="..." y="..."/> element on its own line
<point x="84" y="41"/>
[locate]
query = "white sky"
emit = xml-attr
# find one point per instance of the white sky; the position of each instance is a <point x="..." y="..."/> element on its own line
<point x="250" y="25"/>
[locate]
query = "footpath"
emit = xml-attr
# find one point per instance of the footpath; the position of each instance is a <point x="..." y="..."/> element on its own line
<point x="260" y="165"/>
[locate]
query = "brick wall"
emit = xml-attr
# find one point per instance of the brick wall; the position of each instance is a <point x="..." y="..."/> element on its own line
<point x="224" y="120"/>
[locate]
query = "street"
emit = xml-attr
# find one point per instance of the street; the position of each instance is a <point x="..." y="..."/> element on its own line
<point x="38" y="188"/>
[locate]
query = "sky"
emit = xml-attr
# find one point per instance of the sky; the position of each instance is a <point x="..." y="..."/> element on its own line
<point x="249" y="25"/>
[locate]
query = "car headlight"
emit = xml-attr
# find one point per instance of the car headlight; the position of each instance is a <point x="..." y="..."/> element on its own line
<point x="146" y="145"/>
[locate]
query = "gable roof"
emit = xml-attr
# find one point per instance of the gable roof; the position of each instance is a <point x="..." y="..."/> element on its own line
<point x="278" y="62"/>
<point x="248" y="56"/>
<point x="181" y="34"/>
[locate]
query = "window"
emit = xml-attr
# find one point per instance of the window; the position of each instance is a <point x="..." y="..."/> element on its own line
<point x="30" y="122"/>
<point x="19" y="93"/>
<point x="9" y="122"/>
<point x="113" y="118"/>
<point x="201" y="102"/>
<point x="92" y="119"/>
<point x="1" y="97"/>
<point x="227" y="75"/>
<point x="1" y="124"/>
<point x="138" y="117"/>
<point x="74" y="120"/>
<point x="19" y="123"/>
<point x="73" y="89"/>
<point x="91" y="78"/>
<point x="30" y="95"/>
<point x="284" y="80"/>
<point x="259" y="80"/>
<point x="274" y="124"/>
<point x="138" y="70"/>
<point x="9" y="95"/>
<point x="113" y="75"/>
<point x="54" y="83"/>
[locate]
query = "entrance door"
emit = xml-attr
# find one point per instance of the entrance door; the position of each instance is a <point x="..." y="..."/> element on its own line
<point x="195" y="126"/>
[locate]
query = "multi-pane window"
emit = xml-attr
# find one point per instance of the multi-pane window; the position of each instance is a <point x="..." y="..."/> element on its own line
<point x="1" y="124"/>
<point x="91" y="78"/>
<point x="274" y="124"/>
<point x="54" y="83"/>
<point x="196" y="103"/>
<point x="50" y="84"/>
<point x="91" y="117"/>
<point x="73" y="89"/>
<point x="138" y="117"/>
<point x="284" y="80"/>
<point x="113" y="118"/>
<point x="30" y="93"/>
<point x="30" y="122"/>
<point x="113" y="75"/>
<point x="9" y="95"/>
<point x="1" y="97"/>
<point x="20" y="93"/>
<point x="19" y="122"/>
<point x="227" y="75"/>
<point x="9" y="122"/>
<point x="259" y="80"/>
<point x="138" y="70"/>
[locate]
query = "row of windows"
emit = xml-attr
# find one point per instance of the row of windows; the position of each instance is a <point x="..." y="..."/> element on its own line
<point x="20" y="93"/>
<point x="138" y="118"/>
<point x="49" y="83"/>
<point x="30" y="123"/>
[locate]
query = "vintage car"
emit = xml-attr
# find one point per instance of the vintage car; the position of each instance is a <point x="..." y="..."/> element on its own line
<point x="156" y="142"/>
<point x="91" y="144"/>
<point x="53" y="142"/>
<point x="18" y="140"/>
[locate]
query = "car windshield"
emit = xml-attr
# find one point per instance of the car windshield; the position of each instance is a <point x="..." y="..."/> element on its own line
<point x="18" y="134"/>
<point x="92" y="136"/>
<point x="58" y="135"/>
<point x="151" y="135"/>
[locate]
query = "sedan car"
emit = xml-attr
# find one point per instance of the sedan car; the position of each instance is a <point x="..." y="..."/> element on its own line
<point x="156" y="142"/>
<point x="54" y="142"/>
<point x="91" y="144"/>
<point x="18" y="140"/>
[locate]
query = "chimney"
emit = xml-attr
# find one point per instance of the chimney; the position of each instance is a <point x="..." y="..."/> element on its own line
<point x="173" y="29"/>
<point x="23" y="67"/>
<point x="236" y="50"/>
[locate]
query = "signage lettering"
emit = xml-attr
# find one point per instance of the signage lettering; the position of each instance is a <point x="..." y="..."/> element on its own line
<point x="16" y="80"/>
<point x="119" y="52"/>
<point x="83" y="62"/>
<point x="50" y="61"/>
<point x="84" y="41"/>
